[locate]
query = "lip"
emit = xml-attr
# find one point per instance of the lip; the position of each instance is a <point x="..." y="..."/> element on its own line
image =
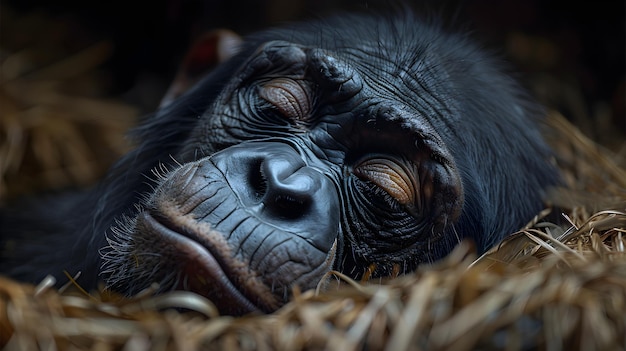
<point x="205" y="275"/>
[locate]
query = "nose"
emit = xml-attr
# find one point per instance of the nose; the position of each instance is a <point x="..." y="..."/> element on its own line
<point x="286" y="186"/>
<point x="274" y="182"/>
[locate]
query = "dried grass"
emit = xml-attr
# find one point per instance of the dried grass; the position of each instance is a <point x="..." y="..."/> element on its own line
<point x="532" y="291"/>
<point x="56" y="130"/>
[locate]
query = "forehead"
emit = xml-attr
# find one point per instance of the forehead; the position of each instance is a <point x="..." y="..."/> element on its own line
<point x="417" y="79"/>
<point x="404" y="59"/>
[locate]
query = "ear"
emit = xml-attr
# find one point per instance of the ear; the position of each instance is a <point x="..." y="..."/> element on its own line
<point x="206" y="53"/>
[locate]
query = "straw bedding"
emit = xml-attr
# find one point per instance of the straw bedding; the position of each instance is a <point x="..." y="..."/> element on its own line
<point x="533" y="291"/>
<point x="559" y="283"/>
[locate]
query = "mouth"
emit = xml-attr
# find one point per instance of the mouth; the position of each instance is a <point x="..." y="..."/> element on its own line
<point x="202" y="271"/>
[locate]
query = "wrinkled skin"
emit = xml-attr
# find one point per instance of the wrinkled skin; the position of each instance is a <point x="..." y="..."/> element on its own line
<point x="357" y="144"/>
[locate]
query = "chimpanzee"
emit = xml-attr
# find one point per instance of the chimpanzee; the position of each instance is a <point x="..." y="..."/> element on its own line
<point x="363" y="144"/>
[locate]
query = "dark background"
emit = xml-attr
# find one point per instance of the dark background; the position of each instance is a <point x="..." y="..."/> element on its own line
<point x="569" y="53"/>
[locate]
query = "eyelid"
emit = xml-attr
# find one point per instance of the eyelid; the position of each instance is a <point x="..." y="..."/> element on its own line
<point x="291" y="97"/>
<point x="389" y="176"/>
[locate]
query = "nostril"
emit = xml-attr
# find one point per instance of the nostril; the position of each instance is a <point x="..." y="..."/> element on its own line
<point x="289" y="206"/>
<point x="257" y="179"/>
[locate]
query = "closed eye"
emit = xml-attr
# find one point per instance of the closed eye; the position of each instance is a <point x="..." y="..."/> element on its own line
<point x="291" y="98"/>
<point x="392" y="177"/>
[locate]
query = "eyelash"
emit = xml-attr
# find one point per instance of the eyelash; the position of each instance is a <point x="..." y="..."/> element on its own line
<point x="373" y="191"/>
<point x="390" y="174"/>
